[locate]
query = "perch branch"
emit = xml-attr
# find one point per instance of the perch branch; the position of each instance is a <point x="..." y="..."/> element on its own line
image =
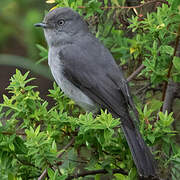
<point x="101" y="171"/>
<point x="136" y="72"/>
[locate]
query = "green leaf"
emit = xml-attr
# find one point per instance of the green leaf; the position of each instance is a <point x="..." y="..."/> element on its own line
<point x="132" y="174"/>
<point x="151" y="138"/>
<point x="167" y="49"/>
<point x="20" y="148"/>
<point x="155" y="104"/>
<point x="50" y="173"/>
<point x="11" y="176"/>
<point x="11" y="146"/>
<point x="120" y="177"/>
<point x="54" y="146"/>
<point x="176" y="62"/>
<point x="43" y="53"/>
<point x="97" y="177"/>
<point x="175" y="4"/>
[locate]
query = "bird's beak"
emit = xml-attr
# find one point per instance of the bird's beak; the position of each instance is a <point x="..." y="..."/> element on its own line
<point x="43" y="25"/>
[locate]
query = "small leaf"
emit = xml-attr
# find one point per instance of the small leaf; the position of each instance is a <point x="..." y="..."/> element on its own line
<point x="50" y="173"/>
<point x="167" y="49"/>
<point x="37" y="130"/>
<point x="11" y="176"/>
<point x="151" y="138"/>
<point x="176" y="62"/>
<point x="54" y="146"/>
<point x="11" y="146"/>
<point x="132" y="50"/>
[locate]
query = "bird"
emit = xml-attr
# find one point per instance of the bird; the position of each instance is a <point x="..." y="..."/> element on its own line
<point x="87" y="73"/>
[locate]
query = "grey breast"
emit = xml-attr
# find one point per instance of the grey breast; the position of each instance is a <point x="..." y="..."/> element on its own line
<point x="67" y="87"/>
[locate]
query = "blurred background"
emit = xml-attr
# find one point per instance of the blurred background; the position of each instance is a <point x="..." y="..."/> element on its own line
<point x="18" y="39"/>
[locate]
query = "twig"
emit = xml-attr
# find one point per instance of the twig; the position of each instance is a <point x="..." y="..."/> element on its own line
<point x="67" y="147"/>
<point x="136" y="72"/>
<point x="101" y="171"/>
<point x="131" y="7"/>
<point x="139" y="91"/>
<point x="43" y="175"/>
<point x="11" y="133"/>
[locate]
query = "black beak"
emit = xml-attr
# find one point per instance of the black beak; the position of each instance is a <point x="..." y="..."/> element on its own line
<point x="43" y="25"/>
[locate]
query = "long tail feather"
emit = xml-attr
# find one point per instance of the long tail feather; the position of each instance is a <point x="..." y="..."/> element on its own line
<point x="142" y="156"/>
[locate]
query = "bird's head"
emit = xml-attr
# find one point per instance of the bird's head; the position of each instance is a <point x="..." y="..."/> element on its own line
<point x="61" y="25"/>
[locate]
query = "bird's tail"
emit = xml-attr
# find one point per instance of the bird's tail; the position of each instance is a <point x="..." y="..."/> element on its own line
<point x="142" y="156"/>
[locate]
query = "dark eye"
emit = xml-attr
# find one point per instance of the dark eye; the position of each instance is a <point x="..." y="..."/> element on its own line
<point x="61" y="22"/>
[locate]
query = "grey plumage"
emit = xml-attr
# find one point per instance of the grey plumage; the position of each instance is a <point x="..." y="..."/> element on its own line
<point x="87" y="73"/>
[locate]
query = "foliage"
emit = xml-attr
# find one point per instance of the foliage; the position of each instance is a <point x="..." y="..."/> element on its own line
<point x="153" y="41"/>
<point x="32" y="136"/>
<point x="18" y="34"/>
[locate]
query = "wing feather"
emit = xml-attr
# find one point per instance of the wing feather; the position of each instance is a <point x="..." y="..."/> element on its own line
<point x="94" y="80"/>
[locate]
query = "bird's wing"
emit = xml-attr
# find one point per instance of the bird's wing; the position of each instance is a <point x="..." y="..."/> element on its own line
<point x="91" y="77"/>
<point x="122" y="83"/>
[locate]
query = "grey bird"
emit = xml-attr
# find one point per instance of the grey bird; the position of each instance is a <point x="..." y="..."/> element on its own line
<point x="87" y="72"/>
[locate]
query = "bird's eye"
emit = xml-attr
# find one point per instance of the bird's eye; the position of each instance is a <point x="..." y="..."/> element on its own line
<point x="61" y="22"/>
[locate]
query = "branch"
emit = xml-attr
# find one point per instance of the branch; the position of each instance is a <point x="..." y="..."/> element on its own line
<point x="131" y="7"/>
<point x="67" y="147"/>
<point x="11" y="133"/>
<point x="170" y="96"/>
<point x="136" y="72"/>
<point x="170" y="67"/>
<point x="143" y="89"/>
<point x="94" y="172"/>
<point x="43" y="175"/>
